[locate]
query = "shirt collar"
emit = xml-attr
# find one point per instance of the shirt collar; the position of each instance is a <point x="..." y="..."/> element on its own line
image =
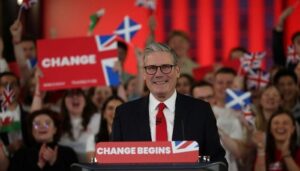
<point x="170" y="102"/>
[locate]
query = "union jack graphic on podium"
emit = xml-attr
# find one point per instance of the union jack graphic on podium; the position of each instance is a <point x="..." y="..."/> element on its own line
<point x="292" y="56"/>
<point x="127" y="29"/>
<point x="184" y="146"/>
<point x="106" y="42"/>
<point x="111" y="77"/>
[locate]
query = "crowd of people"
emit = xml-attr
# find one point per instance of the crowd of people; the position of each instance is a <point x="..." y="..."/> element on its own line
<point x="55" y="129"/>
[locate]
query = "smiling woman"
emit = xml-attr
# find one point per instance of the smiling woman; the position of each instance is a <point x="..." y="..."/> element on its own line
<point x="280" y="151"/>
<point x="44" y="153"/>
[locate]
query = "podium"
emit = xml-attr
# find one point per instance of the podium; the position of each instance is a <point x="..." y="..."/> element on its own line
<point x="217" y="166"/>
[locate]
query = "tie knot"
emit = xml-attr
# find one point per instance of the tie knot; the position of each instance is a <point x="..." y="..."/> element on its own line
<point x="161" y="106"/>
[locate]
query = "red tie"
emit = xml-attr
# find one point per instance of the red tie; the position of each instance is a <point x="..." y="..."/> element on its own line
<point x="161" y="124"/>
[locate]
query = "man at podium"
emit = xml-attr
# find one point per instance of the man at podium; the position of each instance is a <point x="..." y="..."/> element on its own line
<point x="165" y="115"/>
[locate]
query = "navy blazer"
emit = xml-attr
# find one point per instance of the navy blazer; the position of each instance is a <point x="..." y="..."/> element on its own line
<point x="194" y="120"/>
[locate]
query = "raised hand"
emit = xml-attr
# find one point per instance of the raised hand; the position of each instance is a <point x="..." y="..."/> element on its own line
<point x="16" y="31"/>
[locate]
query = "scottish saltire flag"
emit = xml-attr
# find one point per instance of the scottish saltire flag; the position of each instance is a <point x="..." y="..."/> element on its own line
<point x="252" y="60"/>
<point x="257" y="79"/>
<point x="94" y="18"/>
<point x="292" y="56"/>
<point x="248" y="115"/>
<point x="28" y="3"/>
<point x="127" y="29"/>
<point x="184" y="146"/>
<point x="112" y="77"/>
<point x="236" y="99"/>
<point x="148" y="4"/>
<point x="106" y="42"/>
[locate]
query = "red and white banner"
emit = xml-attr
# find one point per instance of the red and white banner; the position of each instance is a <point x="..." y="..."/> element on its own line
<point x="147" y="152"/>
<point x="77" y="62"/>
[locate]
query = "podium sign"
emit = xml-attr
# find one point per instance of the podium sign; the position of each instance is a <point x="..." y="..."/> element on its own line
<point x="147" y="152"/>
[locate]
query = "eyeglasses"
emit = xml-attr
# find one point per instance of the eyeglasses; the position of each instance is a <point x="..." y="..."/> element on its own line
<point x="152" y="69"/>
<point x="38" y="125"/>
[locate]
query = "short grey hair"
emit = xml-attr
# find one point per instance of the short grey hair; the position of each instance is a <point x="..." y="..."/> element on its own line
<point x="159" y="47"/>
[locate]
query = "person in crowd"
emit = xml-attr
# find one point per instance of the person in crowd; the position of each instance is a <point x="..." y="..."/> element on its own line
<point x="81" y="121"/>
<point x="270" y="102"/>
<point x="204" y="91"/>
<point x="25" y="51"/>
<point x="184" y="84"/>
<point x="179" y="117"/>
<point x="108" y="114"/>
<point x="180" y="42"/>
<point x="229" y="124"/>
<point x="279" y="151"/>
<point x="99" y="94"/>
<point x="237" y="52"/>
<point x="3" y="64"/>
<point x="13" y="136"/>
<point x="286" y="82"/>
<point x="43" y="153"/>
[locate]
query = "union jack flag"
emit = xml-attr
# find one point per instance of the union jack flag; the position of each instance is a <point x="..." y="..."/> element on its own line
<point x="127" y="29"/>
<point x="292" y="56"/>
<point x="8" y="96"/>
<point x="111" y="76"/>
<point x="184" y="146"/>
<point x="257" y="79"/>
<point x="252" y="60"/>
<point x="248" y="115"/>
<point x="106" y="42"/>
<point x="28" y="3"/>
<point x="149" y="4"/>
<point x="236" y="99"/>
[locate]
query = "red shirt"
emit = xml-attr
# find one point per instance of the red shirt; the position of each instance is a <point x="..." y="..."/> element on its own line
<point x="277" y="166"/>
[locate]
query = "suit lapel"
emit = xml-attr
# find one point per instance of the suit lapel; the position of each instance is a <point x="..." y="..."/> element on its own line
<point x="180" y="109"/>
<point x="143" y="120"/>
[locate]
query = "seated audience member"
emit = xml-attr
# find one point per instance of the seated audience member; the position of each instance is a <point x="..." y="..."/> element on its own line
<point x="80" y="121"/>
<point x="179" y="41"/>
<point x="184" y="84"/>
<point x="104" y="133"/>
<point x="43" y="153"/>
<point x="279" y="151"/>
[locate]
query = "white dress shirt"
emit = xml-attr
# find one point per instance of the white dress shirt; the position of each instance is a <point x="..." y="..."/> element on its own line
<point x="169" y="113"/>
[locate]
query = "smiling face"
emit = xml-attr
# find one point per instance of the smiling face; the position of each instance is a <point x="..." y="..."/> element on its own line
<point x="109" y="111"/>
<point x="43" y="129"/>
<point x="161" y="85"/>
<point x="270" y="99"/>
<point x="282" y="127"/>
<point x="75" y="103"/>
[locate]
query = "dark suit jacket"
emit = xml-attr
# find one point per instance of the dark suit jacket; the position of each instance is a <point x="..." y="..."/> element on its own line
<point x="194" y="120"/>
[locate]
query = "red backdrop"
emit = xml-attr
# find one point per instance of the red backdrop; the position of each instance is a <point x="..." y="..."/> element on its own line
<point x="215" y="26"/>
